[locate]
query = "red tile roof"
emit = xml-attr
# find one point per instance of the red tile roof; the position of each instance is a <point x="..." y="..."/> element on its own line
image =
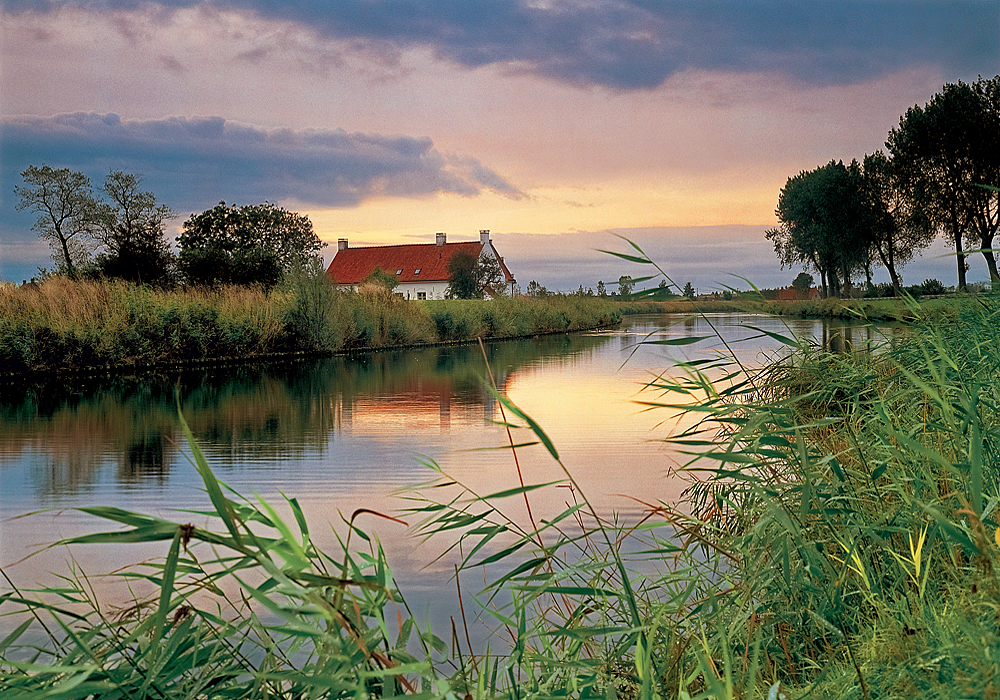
<point x="352" y="265"/>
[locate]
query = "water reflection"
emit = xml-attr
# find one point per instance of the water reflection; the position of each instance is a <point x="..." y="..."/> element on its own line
<point x="846" y="336"/>
<point x="345" y="432"/>
<point x="253" y="413"/>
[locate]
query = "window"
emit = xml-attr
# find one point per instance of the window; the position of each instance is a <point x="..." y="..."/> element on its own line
<point x="399" y="272"/>
<point x="417" y="271"/>
<point x="421" y="295"/>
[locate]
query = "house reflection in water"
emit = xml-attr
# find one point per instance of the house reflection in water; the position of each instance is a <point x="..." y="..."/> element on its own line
<point x="424" y="403"/>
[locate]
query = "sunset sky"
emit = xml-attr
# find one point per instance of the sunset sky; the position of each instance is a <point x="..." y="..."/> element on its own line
<point x="553" y="123"/>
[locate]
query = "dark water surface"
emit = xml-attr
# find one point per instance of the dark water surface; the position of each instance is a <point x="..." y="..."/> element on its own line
<point x="351" y="432"/>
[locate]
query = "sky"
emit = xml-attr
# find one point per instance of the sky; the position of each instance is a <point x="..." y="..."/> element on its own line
<point x="562" y="126"/>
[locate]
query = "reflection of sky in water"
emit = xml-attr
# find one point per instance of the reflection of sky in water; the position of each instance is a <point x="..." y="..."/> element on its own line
<point x="346" y="433"/>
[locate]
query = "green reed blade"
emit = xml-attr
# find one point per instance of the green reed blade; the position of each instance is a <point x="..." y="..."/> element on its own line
<point x="222" y="505"/>
<point x="535" y="428"/>
<point x="517" y="491"/>
<point x="687" y="340"/>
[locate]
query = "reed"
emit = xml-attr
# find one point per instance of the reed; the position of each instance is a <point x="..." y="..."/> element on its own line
<point x="839" y="540"/>
<point x="72" y="325"/>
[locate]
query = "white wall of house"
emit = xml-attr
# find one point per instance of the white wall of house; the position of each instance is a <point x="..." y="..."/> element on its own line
<point x="413" y="290"/>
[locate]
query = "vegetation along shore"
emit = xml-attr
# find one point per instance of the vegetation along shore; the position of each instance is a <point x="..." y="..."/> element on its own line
<point x="63" y="324"/>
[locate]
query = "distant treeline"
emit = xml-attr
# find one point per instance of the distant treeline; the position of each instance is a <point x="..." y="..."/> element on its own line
<point x="61" y="324"/>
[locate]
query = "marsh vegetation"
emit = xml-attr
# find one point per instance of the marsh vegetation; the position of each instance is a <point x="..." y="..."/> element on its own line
<point x="837" y="539"/>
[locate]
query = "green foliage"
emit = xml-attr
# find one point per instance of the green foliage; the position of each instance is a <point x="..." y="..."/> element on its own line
<point x="462" y="276"/>
<point x="688" y="291"/>
<point x="379" y="276"/>
<point x="942" y="151"/>
<point x="254" y="244"/>
<point x="539" y="292"/>
<point x="315" y="319"/>
<point x="625" y="285"/>
<point x="802" y="282"/>
<point x="474" y="277"/>
<point x="838" y="539"/>
<point x="245" y="607"/>
<point x="62" y="325"/>
<point x="67" y="213"/>
<point x="131" y="226"/>
<point x="825" y="224"/>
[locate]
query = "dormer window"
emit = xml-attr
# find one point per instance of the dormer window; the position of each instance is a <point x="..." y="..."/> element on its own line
<point x="399" y="272"/>
<point x="417" y="272"/>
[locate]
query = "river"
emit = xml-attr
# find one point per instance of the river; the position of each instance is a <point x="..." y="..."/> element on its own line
<point x="356" y="432"/>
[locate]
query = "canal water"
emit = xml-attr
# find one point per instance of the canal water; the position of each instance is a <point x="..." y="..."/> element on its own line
<point x="355" y="432"/>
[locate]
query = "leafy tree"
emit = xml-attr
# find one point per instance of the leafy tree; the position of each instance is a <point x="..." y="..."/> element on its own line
<point x="625" y="285"/>
<point x="254" y="244"/>
<point x="688" y="291"/>
<point x="932" y="286"/>
<point x="67" y="212"/>
<point x="538" y="291"/>
<point x="943" y="150"/>
<point x="473" y="277"/>
<point x="131" y="226"/>
<point x="601" y="290"/>
<point x="379" y="276"/>
<point x="898" y="230"/>
<point x="824" y="224"/>
<point x="802" y="282"/>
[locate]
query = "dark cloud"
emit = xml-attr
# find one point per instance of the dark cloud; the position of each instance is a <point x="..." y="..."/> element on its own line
<point x="192" y="163"/>
<point x="628" y="44"/>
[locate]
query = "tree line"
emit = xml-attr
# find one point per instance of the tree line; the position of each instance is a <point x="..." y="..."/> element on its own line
<point x="938" y="177"/>
<point x="119" y="232"/>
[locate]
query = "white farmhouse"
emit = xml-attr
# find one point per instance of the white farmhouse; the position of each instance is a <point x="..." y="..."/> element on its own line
<point x="421" y="269"/>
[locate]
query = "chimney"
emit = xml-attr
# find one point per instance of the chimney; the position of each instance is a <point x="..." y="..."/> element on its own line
<point x="341" y="244"/>
<point x="439" y="238"/>
<point x="484" y="236"/>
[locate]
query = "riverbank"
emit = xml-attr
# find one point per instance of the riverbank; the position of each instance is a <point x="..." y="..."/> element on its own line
<point x="937" y="309"/>
<point x="65" y="326"/>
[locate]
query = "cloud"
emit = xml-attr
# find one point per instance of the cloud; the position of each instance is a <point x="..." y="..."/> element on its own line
<point x="637" y="44"/>
<point x="193" y="162"/>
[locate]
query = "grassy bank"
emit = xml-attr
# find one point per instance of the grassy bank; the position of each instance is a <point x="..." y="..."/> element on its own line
<point x="65" y="325"/>
<point x="941" y="309"/>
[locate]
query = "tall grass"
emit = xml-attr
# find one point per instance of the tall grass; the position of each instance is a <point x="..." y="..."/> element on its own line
<point x="839" y="540"/>
<point x="62" y="324"/>
<point x="73" y="324"/>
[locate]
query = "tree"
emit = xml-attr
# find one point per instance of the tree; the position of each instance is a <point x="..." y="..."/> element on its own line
<point x="131" y="226"/>
<point x="473" y="277"/>
<point x="802" y="282"/>
<point x="601" y="290"/>
<point x="898" y="230"/>
<point x="254" y="244"/>
<point x="943" y="150"/>
<point x="688" y="291"/>
<point x="538" y="291"/>
<point x="625" y="285"/>
<point x="824" y="224"/>
<point x="379" y="276"/>
<point x="67" y="212"/>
